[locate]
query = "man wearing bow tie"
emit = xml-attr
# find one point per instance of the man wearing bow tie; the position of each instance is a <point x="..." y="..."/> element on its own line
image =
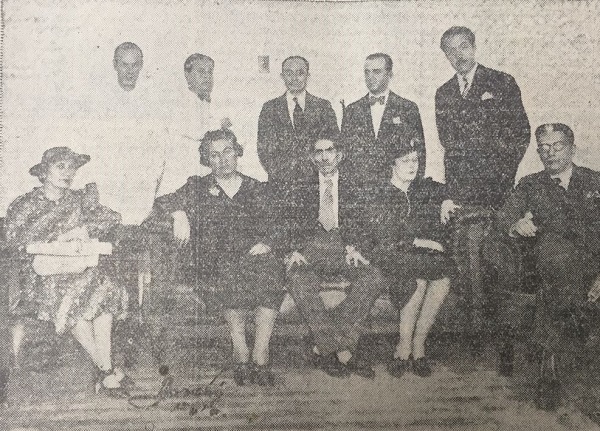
<point x="482" y="126"/>
<point x="558" y="212"/>
<point x="372" y="124"/>
<point x="329" y="239"/>
<point x="289" y="124"/>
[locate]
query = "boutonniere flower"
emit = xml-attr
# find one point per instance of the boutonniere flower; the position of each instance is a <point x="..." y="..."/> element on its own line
<point x="593" y="195"/>
<point x="214" y="190"/>
<point x="396" y="120"/>
<point x="487" y="95"/>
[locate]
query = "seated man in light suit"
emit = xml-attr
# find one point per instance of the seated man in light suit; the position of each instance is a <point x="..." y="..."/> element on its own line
<point x="325" y="218"/>
<point x="559" y="210"/>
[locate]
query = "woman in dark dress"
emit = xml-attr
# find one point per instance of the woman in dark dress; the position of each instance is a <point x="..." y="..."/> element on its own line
<point x="79" y="300"/>
<point x="229" y="220"/>
<point x="411" y="250"/>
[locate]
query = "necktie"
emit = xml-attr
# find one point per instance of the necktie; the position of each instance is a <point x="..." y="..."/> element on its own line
<point x="298" y="114"/>
<point x="326" y="214"/>
<point x="466" y="86"/>
<point x="373" y="100"/>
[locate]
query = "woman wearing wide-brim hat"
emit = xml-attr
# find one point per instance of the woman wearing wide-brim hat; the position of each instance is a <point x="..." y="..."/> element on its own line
<point x="79" y="300"/>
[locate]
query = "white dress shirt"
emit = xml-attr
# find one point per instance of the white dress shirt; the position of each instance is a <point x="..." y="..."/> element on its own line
<point x="564" y="177"/>
<point x="291" y="104"/>
<point x="378" y="109"/>
<point x="469" y="76"/>
<point x="334" y="191"/>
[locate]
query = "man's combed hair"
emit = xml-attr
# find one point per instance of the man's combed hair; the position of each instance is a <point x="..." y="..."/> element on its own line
<point x="455" y="31"/>
<point x="555" y="127"/>
<point x="189" y="62"/>
<point x="217" y="135"/>
<point x="127" y="46"/>
<point x="295" y="57"/>
<point x="389" y="64"/>
<point x="334" y="137"/>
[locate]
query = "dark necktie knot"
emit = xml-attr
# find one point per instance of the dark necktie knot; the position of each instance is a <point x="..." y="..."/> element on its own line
<point x="298" y="114"/>
<point x="376" y="99"/>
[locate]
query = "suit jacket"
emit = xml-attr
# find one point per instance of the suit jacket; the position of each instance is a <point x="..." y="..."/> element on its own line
<point x="573" y="213"/>
<point x="284" y="150"/>
<point x="397" y="218"/>
<point x="485" y="136"/>
<point x="370" y="155"/>
<point x="301" y="212"/>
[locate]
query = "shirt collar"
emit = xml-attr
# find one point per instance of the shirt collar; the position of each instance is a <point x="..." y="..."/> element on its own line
<point x="470" y="75"/>
<point x="386" y="93"/>
<point x="301" y="99"/>
<point x="565" y="177"/>
<point x="334" y="177"/>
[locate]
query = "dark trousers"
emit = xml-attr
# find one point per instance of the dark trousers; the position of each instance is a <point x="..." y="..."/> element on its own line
<point x="339" y="329"/>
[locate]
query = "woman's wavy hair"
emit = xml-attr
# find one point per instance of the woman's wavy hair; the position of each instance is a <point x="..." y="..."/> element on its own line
<point x="216" y="135"/>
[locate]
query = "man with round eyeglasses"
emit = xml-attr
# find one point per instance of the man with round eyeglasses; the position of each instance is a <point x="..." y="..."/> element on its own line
<point x="557" y="211"/>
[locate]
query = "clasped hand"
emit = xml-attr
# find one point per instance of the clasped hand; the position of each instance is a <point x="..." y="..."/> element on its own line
<point x="76" y="234"/>
<point x="447" y="210"/>
<point x="524" y="227"/>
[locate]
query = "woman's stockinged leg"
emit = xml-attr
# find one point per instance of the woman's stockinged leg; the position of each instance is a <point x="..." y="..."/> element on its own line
<point x="236" y="320"/>
<point x="83" y="332"/>
<point x="408" y="317"/>
<point x="436" y="293"/>
<point x="102" y="336"/>
<point x="264" y="323"/>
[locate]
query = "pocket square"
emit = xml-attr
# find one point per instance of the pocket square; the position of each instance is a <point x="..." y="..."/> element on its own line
<point x="593" y="195"/>
<point x="487" y="95"/>
<point x="396" y="120"/>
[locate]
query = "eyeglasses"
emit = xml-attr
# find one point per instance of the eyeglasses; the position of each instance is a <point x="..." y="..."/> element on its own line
<point x="556" y="146"/>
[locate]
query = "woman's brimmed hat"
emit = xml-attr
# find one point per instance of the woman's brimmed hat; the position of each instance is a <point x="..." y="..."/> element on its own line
<point x="57" y="154"/>
<point x="401" y="147"/>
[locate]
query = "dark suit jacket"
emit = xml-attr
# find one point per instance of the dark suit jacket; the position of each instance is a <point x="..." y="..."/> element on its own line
<point x="485" y="136"/>
<point x="301" y="212"/>
<point x="574" y="213"/>
<point x="371" y="156"/>
<point x="284" y="150"/>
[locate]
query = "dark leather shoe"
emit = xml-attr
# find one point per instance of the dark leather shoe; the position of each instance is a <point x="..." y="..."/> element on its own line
<point x="360" y="368"/>
<point x="263" y="376"/>
<point x="241" y="374"/>
<point x="548" y="394"/>
<point x="331" y="366"/>
<point x="397" y="367"/>
<point x="421" y="367"/>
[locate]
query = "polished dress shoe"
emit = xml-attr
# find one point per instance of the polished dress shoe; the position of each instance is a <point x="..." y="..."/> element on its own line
<point x="421" y="367"/>
<point x="331" y="366"/>
<point x="360" y="368"/>
<point x="397" y="367"/>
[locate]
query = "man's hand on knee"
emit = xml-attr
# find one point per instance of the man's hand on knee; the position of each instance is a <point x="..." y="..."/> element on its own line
<point x="181" y="228"/>
<point x="354" y="258"/>
<point x="295" y="259"/>
<point x="594" y="292"/>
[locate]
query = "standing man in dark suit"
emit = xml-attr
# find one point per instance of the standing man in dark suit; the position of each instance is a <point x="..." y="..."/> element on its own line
<point x="329" y="239"/>
<point x="484" y="130"/>
<point x="482" y="125"/>
<point x="289" y="124"/>
<point x="373" y="124"/>
<point x="558" y="210"/>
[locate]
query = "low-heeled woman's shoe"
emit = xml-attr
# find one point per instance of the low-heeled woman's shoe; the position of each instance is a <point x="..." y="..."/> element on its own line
<point x="421" y="367"/>
<point x="263" y="375"/>
<point x="241" y="374"/>
<point x="397" y="367"/>
<point x="113" y="392"/>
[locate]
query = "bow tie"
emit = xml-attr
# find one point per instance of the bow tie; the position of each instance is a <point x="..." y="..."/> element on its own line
<point x="373" y="100"/>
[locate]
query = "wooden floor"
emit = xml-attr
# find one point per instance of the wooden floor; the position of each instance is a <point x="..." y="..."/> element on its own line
<point x="462" y="394"/>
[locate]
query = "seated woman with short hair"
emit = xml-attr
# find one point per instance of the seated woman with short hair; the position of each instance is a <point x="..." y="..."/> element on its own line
<point x="411" y="253"/>
<point x="79" y="298"/>
<point x="229" y="221"/>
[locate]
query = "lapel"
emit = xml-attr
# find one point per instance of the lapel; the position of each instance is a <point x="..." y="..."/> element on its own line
<point x="283" y="113"/>
<point x="365" y="109"/>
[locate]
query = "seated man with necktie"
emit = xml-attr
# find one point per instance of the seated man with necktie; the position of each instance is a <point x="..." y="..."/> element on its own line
<point x="558" y="210"/>
<point x="325" y="218"/>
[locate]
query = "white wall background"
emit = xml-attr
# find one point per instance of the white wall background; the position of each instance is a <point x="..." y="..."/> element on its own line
<point x="57" y="58"/>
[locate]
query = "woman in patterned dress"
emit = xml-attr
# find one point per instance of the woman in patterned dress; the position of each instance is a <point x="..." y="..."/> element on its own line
<point x="82" y="303"/>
